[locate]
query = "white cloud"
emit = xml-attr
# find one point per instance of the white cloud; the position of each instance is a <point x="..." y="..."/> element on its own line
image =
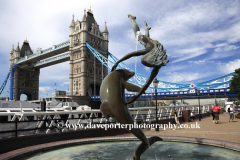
<point x="226" y="48"/>
<point x="184" y="77"/>
<point x="195" y="27"/>
<point x="186" y="30"/>
<point x="147" y="69"/>
<point x="197" y="71"/>
<point x="177" y="77"/>
<point x="64" y="83"/>
<point x="45" y="89"/>
<point x="190" y="55"/>
<point x="55" y="74"/>
<point x="230" y="66"/>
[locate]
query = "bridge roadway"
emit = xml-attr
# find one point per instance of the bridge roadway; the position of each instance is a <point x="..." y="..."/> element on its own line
<point x="204" y="94"/>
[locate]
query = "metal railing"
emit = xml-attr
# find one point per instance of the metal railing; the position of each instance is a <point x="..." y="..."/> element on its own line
<point x="46" y="122"/>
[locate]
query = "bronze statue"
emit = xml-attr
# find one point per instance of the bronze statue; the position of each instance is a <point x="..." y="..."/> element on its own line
<point x="153" y="55"/>
<point x="113" y="105"/>
<point x="112" y="88"/>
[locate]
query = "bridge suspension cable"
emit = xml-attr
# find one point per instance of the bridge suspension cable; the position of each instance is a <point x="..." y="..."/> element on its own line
<point x="140" y="79"/>
<point x="4" y="83"/>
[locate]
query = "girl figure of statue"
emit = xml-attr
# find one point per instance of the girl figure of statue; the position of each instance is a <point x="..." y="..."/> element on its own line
<point x="154" y="55"/>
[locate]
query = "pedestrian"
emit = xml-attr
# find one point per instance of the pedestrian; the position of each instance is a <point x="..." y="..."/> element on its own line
<point x="175" y="116"/>
<point x="216" y="109"/>
<point x="192" y="116"/>
<point x="213" y="116"/>
<point x="231" y="113"/>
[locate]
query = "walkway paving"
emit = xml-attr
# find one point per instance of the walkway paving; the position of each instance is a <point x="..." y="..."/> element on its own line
<point x="224" y="131"/>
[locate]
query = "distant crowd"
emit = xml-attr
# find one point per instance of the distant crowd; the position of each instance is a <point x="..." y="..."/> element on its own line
<point x="215" y="111"/>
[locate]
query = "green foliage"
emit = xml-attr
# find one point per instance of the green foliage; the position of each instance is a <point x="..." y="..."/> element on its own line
<point x="235" y="83"/>
<point x="237" y="103"/>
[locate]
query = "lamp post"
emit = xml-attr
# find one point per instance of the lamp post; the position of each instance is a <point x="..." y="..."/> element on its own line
<point x="198" y="93"/>
<point x="155" y="84"/>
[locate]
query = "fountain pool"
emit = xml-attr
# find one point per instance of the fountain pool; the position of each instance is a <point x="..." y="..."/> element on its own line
<point x="125" y="151"/>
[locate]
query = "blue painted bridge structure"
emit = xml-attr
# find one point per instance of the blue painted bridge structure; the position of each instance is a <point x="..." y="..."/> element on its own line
<point x="191" y="94"/>
<point x="58" y="53"/>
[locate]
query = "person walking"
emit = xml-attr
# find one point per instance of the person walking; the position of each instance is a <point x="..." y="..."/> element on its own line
<point x="175" y="116"/>
<point x="216" y="109"/>
<point x="213" y="116"/>
<point x="231" y="113"/>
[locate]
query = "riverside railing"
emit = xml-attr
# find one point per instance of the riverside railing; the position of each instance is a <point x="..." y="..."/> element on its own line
<point x="46" y="122"/>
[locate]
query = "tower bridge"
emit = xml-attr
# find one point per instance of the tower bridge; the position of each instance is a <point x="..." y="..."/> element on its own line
<point x="25" y="66"/>
<point x="87" y="51"/>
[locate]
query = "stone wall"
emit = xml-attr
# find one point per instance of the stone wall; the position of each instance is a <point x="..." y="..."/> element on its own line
<point x="10" y="144"/>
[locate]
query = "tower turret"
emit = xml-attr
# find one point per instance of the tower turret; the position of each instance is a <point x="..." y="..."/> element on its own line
<point x="11" y="57"/>
<point x="84" y="18"/>
<point x="12" y="48"/>
<point x="84" y="27"/>
<point x="71" y="38"/>
<point x="105" y="36"/>
<point x="16" y="54"/>
<point x="105" y="32"/>
<point x="72" y="26"/>
<point x="18" y="49"/>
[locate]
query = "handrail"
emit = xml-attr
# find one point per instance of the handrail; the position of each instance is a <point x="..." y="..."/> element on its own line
<point x="85" y="117"/>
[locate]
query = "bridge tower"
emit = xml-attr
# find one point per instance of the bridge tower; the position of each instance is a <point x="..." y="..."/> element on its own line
<point x="25" y="77"/>
<point x="86" y="72"/>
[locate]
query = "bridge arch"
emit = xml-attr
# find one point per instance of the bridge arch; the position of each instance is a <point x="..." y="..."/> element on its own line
<point x="25" y="96"/>
<point x="90" y="91"/>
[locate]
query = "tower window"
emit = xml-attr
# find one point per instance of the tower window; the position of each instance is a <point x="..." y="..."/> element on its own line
<point x="26" y="84"/>
<point x="27" y="75"/>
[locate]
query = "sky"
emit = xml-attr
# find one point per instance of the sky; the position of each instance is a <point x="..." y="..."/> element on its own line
<point x="202" y="38"/>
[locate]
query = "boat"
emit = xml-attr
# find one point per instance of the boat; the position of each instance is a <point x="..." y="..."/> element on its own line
<point x="59" y="102"/>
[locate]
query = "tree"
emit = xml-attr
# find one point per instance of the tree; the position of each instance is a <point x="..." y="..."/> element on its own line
<point x="237" y="103"/>
<point x="235" y="83"/>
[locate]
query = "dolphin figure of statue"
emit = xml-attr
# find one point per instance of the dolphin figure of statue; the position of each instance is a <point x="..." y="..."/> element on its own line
<point x="114" y="105"/>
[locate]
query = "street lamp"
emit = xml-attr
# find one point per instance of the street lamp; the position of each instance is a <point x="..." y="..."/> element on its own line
<point x="155" y="84"/>
<point x="198" y="94"/>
